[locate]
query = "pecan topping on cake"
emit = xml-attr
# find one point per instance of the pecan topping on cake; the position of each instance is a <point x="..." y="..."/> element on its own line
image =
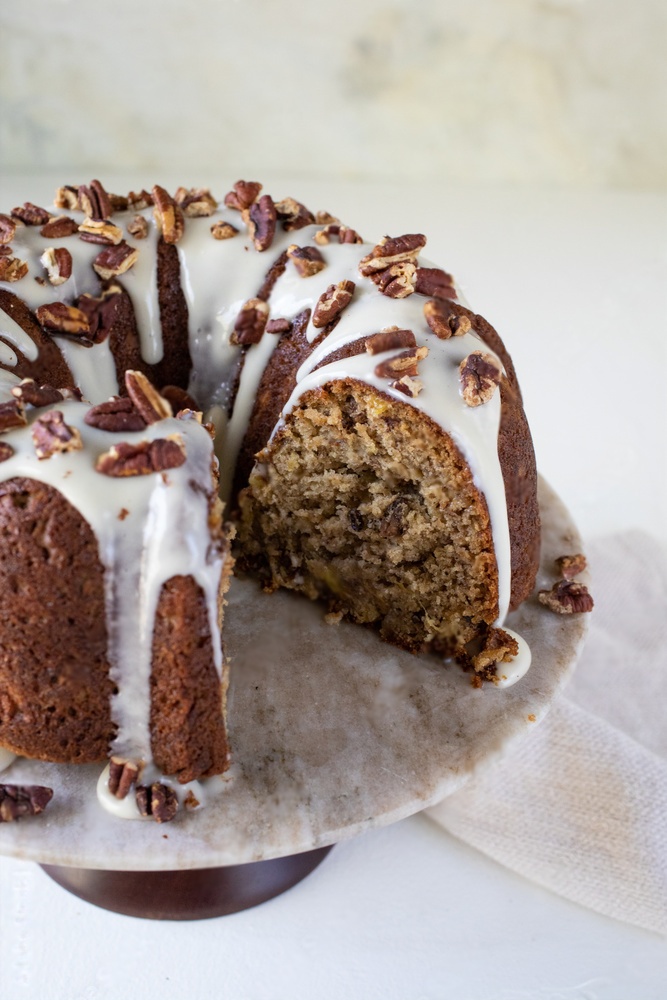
<point x="389" y="339"/>
<point x="178" y="398"/>
<point x="168" y="215"/>
<point x="51" y="434"/>
<point x="278" y="326"/>
<point x="243" y="195"/>
<point x="12" y="269"/>
<point x="250" y="322"/>
<point x="6" y="451"/>
<point x="58" y="264"/>
<point x="397" y="281"/>
<point x="566" y="597"/>
<point x="479" y="375"/>
<point x="123" y="774"/>
<point x="61" y="318"/>
<point x="408" y="385"/>
<point x="158" y="801"/>
<point x="100" y="231"/>
<point x="434" y="282"/>
<point x="31" y="215"/>
<point x="23" y="800"/>
<point x="260" y="219"/>
<point x="195" y="202"/>
<point x="101" y="312"/>
<point x="115" y="260"/>
<point x="334" y="232"/>
<point x="29" y="392"/>
<point x="307" y="260"/>
<point x="94" y="200"/>
<point x="142" y="459"/>
<point x="118" y="415"/>
<point x="571" y="566"/>
<point x="12" y="415"/>
<point x="7" y="229"/>
<point x="58" y="227"/>
<point x="293" y="215"/>
<point x="147" y="400"/>
<point x="138" y="227"/>
<point x="402" y="364"/>
<point x="392" y="250"/>
<point x="443" y="321"/>
<point x="332" y="302"/>
<point x="222" y="230"/>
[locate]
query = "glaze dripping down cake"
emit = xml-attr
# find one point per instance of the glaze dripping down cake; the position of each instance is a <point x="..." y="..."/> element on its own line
<point x="364" y="428"/>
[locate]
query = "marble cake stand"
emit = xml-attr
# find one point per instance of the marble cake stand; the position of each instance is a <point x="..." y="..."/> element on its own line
<point x="333" y="731"/>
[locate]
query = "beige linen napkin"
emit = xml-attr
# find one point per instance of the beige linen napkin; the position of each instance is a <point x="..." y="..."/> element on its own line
<point x="581" y="806"/>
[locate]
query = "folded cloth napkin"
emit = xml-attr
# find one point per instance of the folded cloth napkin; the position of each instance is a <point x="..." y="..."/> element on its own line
<point x="581" y="806"/>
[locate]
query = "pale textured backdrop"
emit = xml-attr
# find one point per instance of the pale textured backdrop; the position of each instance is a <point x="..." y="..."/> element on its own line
<point x="548" y="91"/>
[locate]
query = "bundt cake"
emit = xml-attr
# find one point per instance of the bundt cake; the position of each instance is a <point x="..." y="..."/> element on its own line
<point x="370" y="442"/>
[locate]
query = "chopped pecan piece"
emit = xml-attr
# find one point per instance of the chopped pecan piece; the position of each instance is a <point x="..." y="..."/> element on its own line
<point x="115" y="260"/>
<point x="123" y="774"/>
<point x="31" y="215"/>
<point x="178" y="398"/>
<point x="260" y="219"/>
<point x="142" y="459"/>
<point x="147" y="400"/>
<point x="435" y="283"/>
<point x="95" y="201"/>
<point x="243" y="195"/>
<point x="325" y="218"/>
<point x="443" y="321"/>
<point x="168" y="215"/>
<point x="389" y="339"/>
<point x="571" y="566"/>
<point x="7" y="229"/>
<point x="5" y="250"/>
<point x="278" y="326"/>
<point x="332" y="302"/>
<point x="408" y="385"/>
<point x="100" y="231"/>
<point x="307" y="260"/>
<point x="101" y="312"/>
<point x="23" y="800"/>
<point x="222" y="230"/>
<point x="479" y="376"/>
<point x="392" y="250"/>
<point x="51" y="434"/>
<point x="334" y="232"/>
<point x="67" y="197"/>
<point x="402" y="364"/>
<point x="12" y="415"/>
<point x="397" y="281"/>
<point x="497" y="646"/>
<point x="119" y="202"/>
<point x="29" y="392"/>
<point x="12" y="269"/>
<point x="61" y="318"/>
<point x="138" y="227"/>
<point x="566" y="597"/>
<point x="293" y="215"/>
<point x="59" y="227"/>
<point x="58" y="264"/>
<point x="158" y="801"/>
<point x="118" y="415"/>
<point x="250" y="322"/>
<point x="6" y="451"/>
<point x="195" y="202"/>
<point x="191" y="801"/>
<point x="139" y="200"/>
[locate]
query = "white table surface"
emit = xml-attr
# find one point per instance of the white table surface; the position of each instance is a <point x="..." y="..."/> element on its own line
<point x="576" y="283"/>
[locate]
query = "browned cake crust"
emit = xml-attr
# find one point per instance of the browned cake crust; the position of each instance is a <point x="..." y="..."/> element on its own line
<point x="49" y="365"/>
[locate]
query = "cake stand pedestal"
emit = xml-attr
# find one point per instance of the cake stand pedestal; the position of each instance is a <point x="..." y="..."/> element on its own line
<point x="333" y="733"/>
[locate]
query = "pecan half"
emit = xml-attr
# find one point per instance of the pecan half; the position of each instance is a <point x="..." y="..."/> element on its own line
<point x="389" y="339"/>
<point x="12" y="415"/>
<point x="51" y="434"/>
<point x="23" y="800"/>
<point x="571" y="566"/>
<point x="222" y="230"/>
<point x="101" y="312"/>
<point x="100" y="231"/>
<point x="12" y="269"/>
<point x="115" y="260"/>
<point x="566" y="597"/>
<point x="94" y="200"/>
<point x="332" y="302"/>
<point x="61" y="318"/>
<point x="142" y="459"/>
<point x="58" y="264"/>
<point x="123" y="774"/>
<point x="67" y="197"/>
<point x="250" y="322"/>
<point x="7" y="229"/>
<point x="334" y="232"/>
<point x="168" y="215"/>
<point x="243" y="195"/>
<point x="293" y="215"/>
<point x="479" y="375"/>
<point x="278" y="326"/>
<point x="434" y="282"/>
<point x="158" y="801"/>
<point x="195" y="202"/>
<point x="6" y="451"/>
<point x="117" y="415"/>
<point x="31" y="215"/>
<point x="392" y="250"/>
<point x="147" y="400"/>
<point x="138" y="227"/>
<point x="402" y="364"/>
<point x="397" y="281"/>
<point x="260" y="219"/>
<point x="29" y="392"/>
<point x="443" y="322"/>
<point x="59" y="227"/>
<point x="307" y="260"/>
